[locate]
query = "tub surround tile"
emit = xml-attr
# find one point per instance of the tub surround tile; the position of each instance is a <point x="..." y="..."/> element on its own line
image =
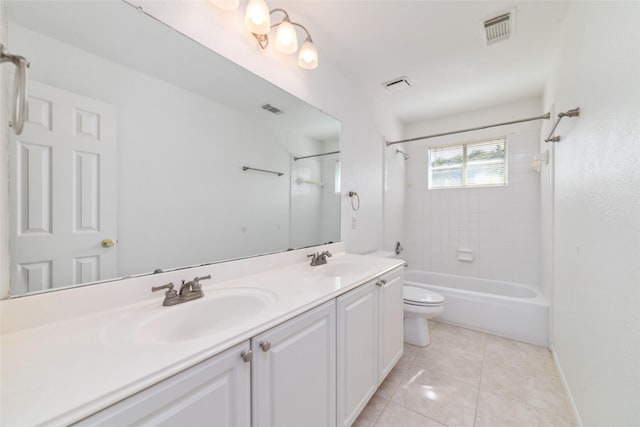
<point x="395" y="415"/>
<point x="444" y="399"/>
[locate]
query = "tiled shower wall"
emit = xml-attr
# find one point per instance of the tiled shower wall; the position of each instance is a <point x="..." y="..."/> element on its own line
<point x="500" y="224"/>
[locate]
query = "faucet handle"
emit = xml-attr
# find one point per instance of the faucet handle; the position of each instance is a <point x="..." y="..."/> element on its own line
<point x="196" y="282"/>
<point x="313" y="255"/>
<point x="159" y="288"/>
<point x="169" y="287"/>
<point x="326" y="253"/>
<point x="197" y="279"/>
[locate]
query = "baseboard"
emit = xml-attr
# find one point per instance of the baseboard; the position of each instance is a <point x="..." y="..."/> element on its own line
<point x="565" y="386"/>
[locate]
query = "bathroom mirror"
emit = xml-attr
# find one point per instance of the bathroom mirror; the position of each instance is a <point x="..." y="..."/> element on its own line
<point x="144" y="151"/>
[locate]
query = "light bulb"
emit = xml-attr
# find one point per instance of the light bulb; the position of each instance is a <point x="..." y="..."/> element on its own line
<point x="256" y="18"/>
<point x="308" y="56"/>
<point x="286" y="38"/>
<point x="226" y="4"/>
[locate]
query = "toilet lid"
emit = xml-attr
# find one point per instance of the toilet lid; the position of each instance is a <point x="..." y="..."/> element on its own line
<point x="421" y="296"/>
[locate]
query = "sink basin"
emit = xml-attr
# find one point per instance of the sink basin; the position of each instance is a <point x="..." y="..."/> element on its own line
<point x="339" y="269"/>
<point x="218" y="311"/>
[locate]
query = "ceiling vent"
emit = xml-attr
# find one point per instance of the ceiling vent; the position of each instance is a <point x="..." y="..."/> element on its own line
<point x="499" y="27"/>
<point x="398" y="84"/>
<point x="270" y="108"/>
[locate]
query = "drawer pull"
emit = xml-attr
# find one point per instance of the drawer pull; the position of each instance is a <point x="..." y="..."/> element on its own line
<point x="247" y="355"/>
<point x="265" y="345"/>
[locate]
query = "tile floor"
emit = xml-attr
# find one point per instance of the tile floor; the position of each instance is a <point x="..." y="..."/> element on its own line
<point x="468" y="378"/>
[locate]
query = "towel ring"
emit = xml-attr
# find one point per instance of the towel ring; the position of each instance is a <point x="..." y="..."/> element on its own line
<point x="352" y="195"/>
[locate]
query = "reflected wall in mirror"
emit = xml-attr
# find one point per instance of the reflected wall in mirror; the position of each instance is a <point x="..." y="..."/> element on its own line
<point x="132" y="156"/>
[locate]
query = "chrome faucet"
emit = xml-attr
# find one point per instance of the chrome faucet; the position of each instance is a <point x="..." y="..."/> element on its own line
<point x="319" y="258"/>
<point x="188" y="291"/>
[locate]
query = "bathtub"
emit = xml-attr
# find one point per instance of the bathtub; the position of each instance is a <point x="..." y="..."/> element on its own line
<point x="507" y="309"/>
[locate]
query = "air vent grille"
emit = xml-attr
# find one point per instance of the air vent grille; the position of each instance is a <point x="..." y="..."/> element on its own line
<point x="270" y="108"/>
<point x="498" y="28"/>
<point x="397" y="84"/>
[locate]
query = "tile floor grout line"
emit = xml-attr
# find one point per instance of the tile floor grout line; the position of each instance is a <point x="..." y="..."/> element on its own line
<point x="484" y="356"/>
<point x="381" y="411"/>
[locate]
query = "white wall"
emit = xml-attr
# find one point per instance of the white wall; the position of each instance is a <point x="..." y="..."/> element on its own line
<point x="500" y="224"/>
<point x="596" y="223"/>
<point x="364" y="123"/>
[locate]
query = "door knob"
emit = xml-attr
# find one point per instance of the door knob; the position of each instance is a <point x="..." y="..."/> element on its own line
<point x="108" y="243"/>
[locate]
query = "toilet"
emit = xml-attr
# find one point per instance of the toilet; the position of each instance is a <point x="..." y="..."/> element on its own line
<point x="420" y="304"/>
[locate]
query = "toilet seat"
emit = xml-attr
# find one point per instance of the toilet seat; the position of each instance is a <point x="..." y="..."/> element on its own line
<point x="421" y="297"/>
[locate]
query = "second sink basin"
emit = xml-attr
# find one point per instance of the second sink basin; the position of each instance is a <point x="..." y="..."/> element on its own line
<point x="338" y="269"/>
<point x="218" y="311"/>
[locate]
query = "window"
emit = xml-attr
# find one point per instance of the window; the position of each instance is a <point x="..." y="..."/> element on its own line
<point x="468" y="165"/>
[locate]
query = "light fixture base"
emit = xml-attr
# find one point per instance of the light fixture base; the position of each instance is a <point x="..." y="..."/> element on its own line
<point x="263" y="40"/>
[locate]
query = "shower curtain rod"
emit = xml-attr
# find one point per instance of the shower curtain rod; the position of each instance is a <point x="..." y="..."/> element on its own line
<point x="542" y="117"/>
<point x="316" y="155"/>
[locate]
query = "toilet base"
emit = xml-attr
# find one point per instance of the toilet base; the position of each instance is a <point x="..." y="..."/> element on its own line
<point x="416" y="331"/>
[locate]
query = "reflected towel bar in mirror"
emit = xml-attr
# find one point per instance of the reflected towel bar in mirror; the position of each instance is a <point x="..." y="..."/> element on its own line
<point x="247" y="168"/>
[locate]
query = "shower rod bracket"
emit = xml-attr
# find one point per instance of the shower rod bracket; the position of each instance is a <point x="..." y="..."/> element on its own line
<point x="575" y="112"/>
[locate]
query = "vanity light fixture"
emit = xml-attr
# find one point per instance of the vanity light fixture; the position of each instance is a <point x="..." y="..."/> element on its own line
<point x="257" y="19"/>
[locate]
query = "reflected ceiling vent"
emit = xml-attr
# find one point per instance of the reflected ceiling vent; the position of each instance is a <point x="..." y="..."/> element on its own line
<point x="270" y="108"/>
<point x="398" y="84"/>
<point x="499" y="28"/>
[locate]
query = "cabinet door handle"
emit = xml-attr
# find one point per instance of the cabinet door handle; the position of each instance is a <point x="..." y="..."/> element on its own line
<point x="265" y="345"/>
<point x="384" y="281"/>
<point x="247" y="355"/>
<point x="379" y="283"/>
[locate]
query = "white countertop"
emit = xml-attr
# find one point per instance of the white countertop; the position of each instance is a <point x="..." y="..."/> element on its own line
<point x="58" y="373"/>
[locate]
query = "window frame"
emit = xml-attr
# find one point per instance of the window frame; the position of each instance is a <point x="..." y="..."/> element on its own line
<point x="464" y="164"/>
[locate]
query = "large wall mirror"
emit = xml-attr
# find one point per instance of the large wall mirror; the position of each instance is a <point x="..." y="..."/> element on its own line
<point x="144" y="150"/>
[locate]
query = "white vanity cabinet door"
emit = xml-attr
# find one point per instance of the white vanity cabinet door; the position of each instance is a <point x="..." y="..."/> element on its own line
<point x="294" y="372"/>
<point x="216" y="392"/>
<point x="390" y="321"/>
<point x="357" y="351"/>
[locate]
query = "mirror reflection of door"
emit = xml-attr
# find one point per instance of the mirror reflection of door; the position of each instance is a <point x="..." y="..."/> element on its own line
<point x="63" y="200"/>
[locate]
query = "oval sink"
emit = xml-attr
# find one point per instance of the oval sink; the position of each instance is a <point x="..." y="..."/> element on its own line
<point x="339" y="269"/>
<point x="218" y="311"/>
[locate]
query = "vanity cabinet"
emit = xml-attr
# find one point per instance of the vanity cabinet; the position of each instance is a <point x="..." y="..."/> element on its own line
<point x="390" y="321"/>
<point x="318" y="369"/>
<point x="370" y="341"/>
<point x="216" y="392"/>
<point x="294" y="371"/>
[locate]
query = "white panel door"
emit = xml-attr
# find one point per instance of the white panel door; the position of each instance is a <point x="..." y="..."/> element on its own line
<point x="357" y="351"/>
<point x="294" y="372"/>
<point x="390" y="322"/>
<point x="63" y="194"/>
<point x="216" y="393"/>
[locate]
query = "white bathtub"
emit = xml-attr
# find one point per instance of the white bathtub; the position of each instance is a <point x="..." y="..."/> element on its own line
<point x="507" y="309"/>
